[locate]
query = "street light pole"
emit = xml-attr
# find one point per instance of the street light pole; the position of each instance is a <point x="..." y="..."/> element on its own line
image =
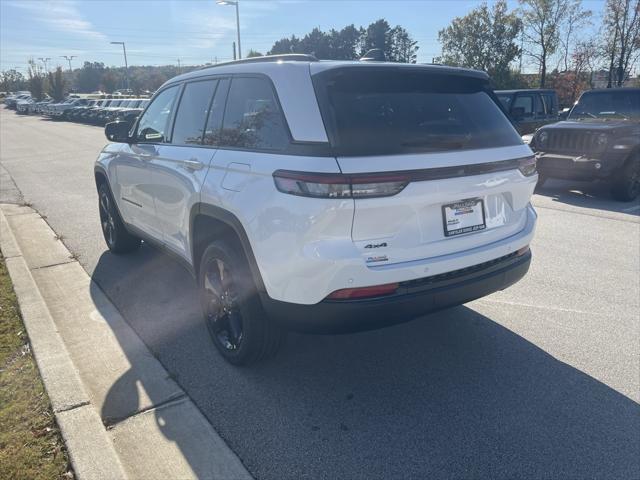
<point x="45" y="60"/>
<point x="234" y="2"/>
<point x="126" y="65"/>
<point x="69" y="58"/>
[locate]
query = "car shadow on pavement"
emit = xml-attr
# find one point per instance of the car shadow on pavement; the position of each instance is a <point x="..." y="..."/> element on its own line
<point x="453" y="394"/>
<point x="595" y="195"/>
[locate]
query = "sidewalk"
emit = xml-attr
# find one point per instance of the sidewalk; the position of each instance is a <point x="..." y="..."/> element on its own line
<point x="120" y="413"/>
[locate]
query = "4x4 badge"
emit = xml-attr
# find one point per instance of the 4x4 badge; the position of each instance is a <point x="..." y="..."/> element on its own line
<point x="376" y="245"/>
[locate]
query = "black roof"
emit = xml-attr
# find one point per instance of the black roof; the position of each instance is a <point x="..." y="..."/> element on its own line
<point x="624" y="89"/>
<point x="527" y="90"/>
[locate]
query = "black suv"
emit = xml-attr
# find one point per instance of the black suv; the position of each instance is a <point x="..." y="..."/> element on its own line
<point x="530" y="109"/>
<point x="599" y="140"/>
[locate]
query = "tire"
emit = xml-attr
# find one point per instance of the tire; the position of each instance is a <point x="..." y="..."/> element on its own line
<point x="231" y="307"/>
<point x="118" y="239"/>
<point x="626" y="182"/>
<point x="541" y="181"/>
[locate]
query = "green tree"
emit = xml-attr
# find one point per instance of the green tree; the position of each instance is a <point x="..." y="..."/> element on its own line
<point x="89" y="77"/>
<point x="484" y="39"/>
<point x="253" y="53"/>
<point x="351" y="43"/>
<point x="403" y="47"/>
<point x="377" y="35"/>
<point x="37" y="81"/>
<point x="110" y="79"/>
<point x="286" y="45"/>
<point x="57" y="85"/>
<point x="317" y="43"/>
<point x="12" y="80"/>
<point x="344" y="43"/>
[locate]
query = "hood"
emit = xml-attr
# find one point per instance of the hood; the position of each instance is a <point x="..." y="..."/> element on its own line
<point x="594" y="125"/>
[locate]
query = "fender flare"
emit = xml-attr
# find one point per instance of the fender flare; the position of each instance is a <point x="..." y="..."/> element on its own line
<point x="230" y="220"/>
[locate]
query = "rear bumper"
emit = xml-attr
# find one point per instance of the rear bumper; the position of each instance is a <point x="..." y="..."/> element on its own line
<point x="414" y="298"/>
<point x="577" y="167"/>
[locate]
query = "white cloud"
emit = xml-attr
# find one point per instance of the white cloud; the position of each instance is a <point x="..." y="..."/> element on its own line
<point x="62" y="16"/>
<point x="214" y="19"/>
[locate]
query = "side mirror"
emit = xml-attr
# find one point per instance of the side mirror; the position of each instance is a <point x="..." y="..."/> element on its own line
<point x="564" y="113"/>
<point x="117" y="131"/>
<point x="517" y="113"/>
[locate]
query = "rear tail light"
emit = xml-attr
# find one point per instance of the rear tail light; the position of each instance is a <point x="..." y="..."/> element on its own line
<point x="330" y="185"/>
<point x="527" y="166"/>
<point x="364" y="292"/>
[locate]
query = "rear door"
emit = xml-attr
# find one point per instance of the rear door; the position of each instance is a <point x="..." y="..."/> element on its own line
<point x="180" y="167"/>
<point x="444" y="138"/>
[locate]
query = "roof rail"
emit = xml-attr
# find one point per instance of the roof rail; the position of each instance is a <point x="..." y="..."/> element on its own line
<point x="288" y="57"/>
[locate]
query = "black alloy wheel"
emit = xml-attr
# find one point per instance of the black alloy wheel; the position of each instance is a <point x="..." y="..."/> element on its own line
<point x="222" y="312"/>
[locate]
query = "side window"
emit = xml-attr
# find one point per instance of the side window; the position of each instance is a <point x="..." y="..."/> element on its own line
<point x="524" y="102"/>
<point x="253" y="118"/>
<point x="552" y="108"/>
<point x="192" y="112"/>
<point x="540" y="111"/>
<point x="152" y="126"/>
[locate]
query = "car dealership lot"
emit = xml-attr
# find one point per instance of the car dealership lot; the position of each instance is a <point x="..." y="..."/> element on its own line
<point x="541" y="380"/>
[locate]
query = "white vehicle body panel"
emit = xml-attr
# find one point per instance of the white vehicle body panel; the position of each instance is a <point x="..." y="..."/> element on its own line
<point x="306" y="248"/>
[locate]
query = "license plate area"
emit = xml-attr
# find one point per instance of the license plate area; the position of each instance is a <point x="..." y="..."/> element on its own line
<point x="465" y="216"/>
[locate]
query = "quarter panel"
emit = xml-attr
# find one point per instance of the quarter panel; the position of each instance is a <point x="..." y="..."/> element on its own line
<point x="292" y="238"/>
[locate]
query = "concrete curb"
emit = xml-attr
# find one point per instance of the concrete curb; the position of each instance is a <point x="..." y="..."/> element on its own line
<point x="91" y="452"/>
<point x="98" y="372"/>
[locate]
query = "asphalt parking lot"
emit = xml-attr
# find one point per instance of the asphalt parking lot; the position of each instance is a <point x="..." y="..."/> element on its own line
<point x="539" y="381"/>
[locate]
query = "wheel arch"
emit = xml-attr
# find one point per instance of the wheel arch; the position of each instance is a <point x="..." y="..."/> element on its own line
<point x="100" y="176"/>
<point x="207" y="223"/>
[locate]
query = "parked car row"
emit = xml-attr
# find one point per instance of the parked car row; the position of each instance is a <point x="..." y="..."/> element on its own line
<point x="12" y="100"/>
<point x="101" y="112"/>
<point x="85" y="110"/>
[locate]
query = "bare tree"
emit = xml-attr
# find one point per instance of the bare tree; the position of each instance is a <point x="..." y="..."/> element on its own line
<point x="583" y="58"/>
<point x="542" y="20"/>
<point x="576" y="18"/>
<point x="622" y="32"/>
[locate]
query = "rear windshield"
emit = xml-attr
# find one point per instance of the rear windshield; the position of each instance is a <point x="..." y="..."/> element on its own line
<point x="371" y="111"/>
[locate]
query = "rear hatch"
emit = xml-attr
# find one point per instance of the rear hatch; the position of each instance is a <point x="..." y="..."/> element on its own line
<point x="441" y="138"/>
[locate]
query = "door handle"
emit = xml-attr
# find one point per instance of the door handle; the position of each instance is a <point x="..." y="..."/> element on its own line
<point x="145" y="156"/>
<point x="192" y="164"/>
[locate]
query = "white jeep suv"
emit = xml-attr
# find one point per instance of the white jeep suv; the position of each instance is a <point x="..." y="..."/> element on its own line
<point x="322" y="196"/>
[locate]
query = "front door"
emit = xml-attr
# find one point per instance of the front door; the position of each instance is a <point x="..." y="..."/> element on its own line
<point x="132" y="167"/>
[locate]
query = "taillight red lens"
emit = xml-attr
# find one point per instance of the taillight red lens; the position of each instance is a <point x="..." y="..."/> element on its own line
<point x="527" y="166"/>
<point x="330" y="185"/>
<point x="364" y="292"/>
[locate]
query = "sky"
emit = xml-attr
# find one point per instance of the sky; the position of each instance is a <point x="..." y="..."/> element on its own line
<point x="159" y="32"/>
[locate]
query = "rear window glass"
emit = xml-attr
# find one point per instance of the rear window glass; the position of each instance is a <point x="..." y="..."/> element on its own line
<point x="373" y="112"/>
<point x="252" y="119"/>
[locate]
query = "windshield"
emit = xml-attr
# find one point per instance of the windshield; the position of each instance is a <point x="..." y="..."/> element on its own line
<point x="371" y="111"/>
<point x="614" y="104"/>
